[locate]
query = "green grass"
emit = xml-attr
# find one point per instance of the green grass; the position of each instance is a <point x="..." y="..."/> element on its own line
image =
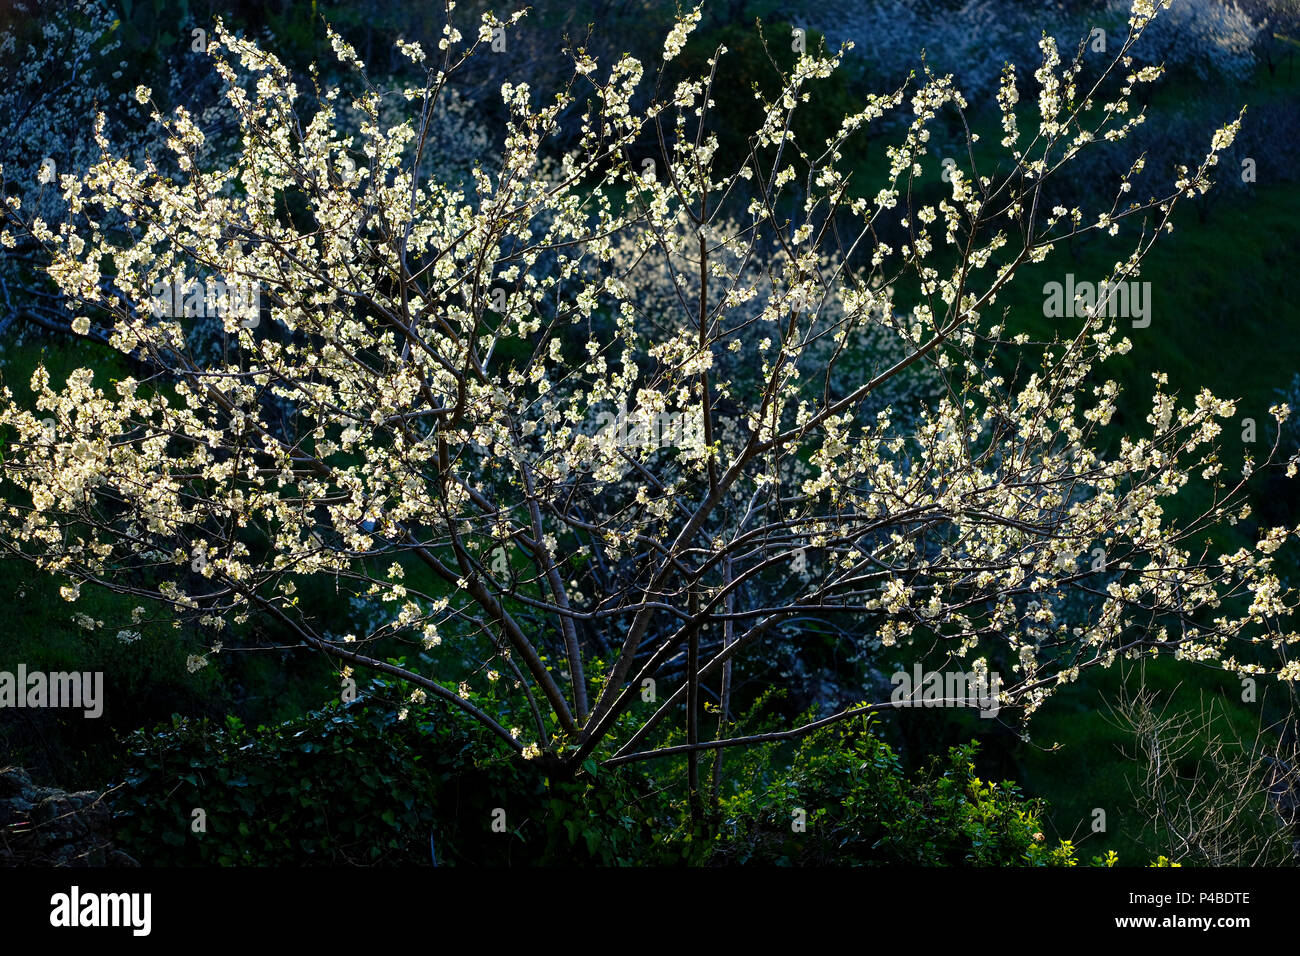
<point x="1222" y="302"/>
<point x="1077" y="759"/>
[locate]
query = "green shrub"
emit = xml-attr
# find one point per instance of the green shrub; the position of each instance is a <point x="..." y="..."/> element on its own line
<point x="367" y="783"/>
<point x="859" y="807"/>
<point x="376" y="782"/>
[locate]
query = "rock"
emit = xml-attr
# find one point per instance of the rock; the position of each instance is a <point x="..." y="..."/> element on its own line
<point x="45" y="826"/>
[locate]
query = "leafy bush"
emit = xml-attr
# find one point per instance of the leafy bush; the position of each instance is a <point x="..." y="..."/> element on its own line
<point x="372" y="783"/>
<point x="367" y="783"/>
<point x="860" y="808"/>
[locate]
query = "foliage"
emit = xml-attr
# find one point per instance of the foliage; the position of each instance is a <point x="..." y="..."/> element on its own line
<point x="367" y="783"/>
<point x="862" y="809"/>
<point x="372" y="783"/>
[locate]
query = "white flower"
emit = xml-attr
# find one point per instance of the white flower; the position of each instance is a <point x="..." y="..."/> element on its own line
<point x="681" y="30"/>
<point x="431" y="638"/>
<point x="411" y="50"/>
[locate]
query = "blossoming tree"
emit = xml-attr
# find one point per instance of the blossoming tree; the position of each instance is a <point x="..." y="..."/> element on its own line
<point x="417" y="409"/>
